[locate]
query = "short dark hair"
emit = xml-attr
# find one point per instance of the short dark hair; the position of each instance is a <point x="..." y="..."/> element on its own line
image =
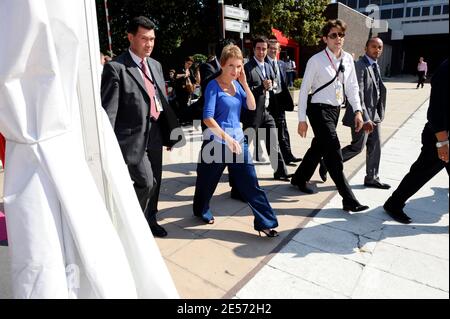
<point x="140" y="21"/>
<point x="340" y="24"/>
<point x="372" y="39"/>
<point x="260" y="39"/>
<point x="189" y="59"/>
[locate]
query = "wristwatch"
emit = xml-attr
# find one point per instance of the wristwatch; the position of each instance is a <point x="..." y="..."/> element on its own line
<point x="441" y="143"/>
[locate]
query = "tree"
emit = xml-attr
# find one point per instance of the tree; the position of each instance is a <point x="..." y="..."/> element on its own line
<point x="175" y="20"/>
<point x="300" y="20"/>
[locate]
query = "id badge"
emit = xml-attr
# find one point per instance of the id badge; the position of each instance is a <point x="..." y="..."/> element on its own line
<point x="339" y="92"/>
<point x="158" y="104"/>
<point x="267" y="101"/>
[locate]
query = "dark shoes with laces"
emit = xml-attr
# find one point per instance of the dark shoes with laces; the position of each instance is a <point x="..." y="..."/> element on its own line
<point x="396" y="212"/>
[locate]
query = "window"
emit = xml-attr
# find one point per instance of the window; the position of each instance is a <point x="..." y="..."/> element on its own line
<point x="416" y="12"/>
<point x="377" y="2"/>
<point x="386" y="14"/>
<point x="408" y="12"/>
<point x="352" y="3"/>
<point x="386" y="2"/>
<point x="363" y="3"/>
<point x="445" y="9"/>
<point x="399" y="1"/>
<point x="437" y="10"/>
<point x="397" y="13"/>
<point x="425" y="11"/>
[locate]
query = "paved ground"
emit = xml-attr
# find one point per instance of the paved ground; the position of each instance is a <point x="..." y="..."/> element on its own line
<point x="321" y="251"/>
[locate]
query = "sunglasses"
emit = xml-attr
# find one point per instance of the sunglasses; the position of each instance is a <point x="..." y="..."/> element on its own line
<point x="334" y="35"/>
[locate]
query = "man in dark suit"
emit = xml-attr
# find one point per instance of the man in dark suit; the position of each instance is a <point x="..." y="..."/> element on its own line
<point x="280" y="101"/>
<point x="372" y="92"/>
<point x="434" y="155"/>
<point x="134" y="97"/>
<point x="260" y="78"/>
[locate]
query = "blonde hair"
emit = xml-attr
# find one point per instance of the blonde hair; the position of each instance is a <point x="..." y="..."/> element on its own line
<point x="230" y="51"/>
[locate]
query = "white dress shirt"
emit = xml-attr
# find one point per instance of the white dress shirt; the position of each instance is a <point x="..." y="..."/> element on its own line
<point x="262" y="66"/>
<point x="138" y="60"/>
<point x="277" y="88"/>
<point x="319" y="71"/>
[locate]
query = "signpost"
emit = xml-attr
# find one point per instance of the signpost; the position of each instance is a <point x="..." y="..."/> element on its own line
<point x="239" y="25"/>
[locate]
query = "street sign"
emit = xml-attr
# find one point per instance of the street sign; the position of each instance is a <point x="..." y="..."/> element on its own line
<point x="236" y="13"/>
<point x="237" y="26"/>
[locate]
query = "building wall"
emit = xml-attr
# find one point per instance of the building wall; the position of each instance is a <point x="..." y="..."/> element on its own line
<point x="358" y="31"/>
<point x="410" y="17"/>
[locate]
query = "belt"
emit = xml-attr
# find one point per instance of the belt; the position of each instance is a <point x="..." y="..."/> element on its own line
<point x="323" y="105"/>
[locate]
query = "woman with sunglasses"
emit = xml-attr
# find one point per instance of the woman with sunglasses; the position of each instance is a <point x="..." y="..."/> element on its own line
<point x="329" y="77"/>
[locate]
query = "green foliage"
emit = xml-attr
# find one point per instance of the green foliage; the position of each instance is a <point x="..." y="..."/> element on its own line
<point x="301" y="20"/>
<point x="199" y="58"/>
<point x="178" y="20"/>
<point x="175" y="20"/>
<point x="298" y="83"/>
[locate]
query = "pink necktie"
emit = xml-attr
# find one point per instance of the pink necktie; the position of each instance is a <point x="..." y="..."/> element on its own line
<point x="150" y="90"/>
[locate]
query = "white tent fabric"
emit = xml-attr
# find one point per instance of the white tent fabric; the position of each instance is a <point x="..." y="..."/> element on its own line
<point x="62" y="241"/>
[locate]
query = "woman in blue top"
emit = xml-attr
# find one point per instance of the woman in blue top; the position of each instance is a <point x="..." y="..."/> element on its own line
<point x="224" y="144"/>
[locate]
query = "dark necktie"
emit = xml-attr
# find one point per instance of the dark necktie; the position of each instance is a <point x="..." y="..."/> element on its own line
<point x="377" y="73"/>
<point x="154" y="113"/>
<point x="274" y="67"/>
<point x="377" y="77"/>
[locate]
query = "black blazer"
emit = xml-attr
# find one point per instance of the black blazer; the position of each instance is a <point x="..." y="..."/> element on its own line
<point x="126" y="101"/>
<point x="255" y="80"/>
<point x="283" y="101"/>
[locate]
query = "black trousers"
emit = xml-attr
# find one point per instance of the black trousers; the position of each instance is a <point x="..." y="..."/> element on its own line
<point x="284" y="139"/>
<point x="424" y="169"/>
<point x="270" y="137"/>
<point x="147" y="175"/>
<point x="325" y="144"/>
<point x="421" y="80"/>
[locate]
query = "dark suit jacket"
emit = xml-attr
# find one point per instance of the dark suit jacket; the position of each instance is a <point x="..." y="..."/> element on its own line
<point x="373" y="108"/>
<point x="255" y="80"/>
<point x="126" y="101"/>
<point x="282" y="101"/>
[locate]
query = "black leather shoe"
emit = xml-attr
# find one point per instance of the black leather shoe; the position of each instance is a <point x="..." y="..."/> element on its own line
<point x="303" y="187"/>
<point x="158" y="231"/>
<point x="282" y="177"/>
<point x="377" y="184"/>
<point x="293" y="160"/>
<point x="323" y="171"/>
<point x="396" y="213"/>
<point x="356" y="207"/>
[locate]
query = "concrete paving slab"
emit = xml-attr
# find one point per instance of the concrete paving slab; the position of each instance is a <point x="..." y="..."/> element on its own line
<point x="214" y="263"/>
<point x="191" y="286"/>
<point x="428" y="270"/>
<point x="272" y="283"/>
<point x="318" y="267"/>
<point x="333" y="240"/>
<point x="377" y="284"/>
<point x="409" y="237"/>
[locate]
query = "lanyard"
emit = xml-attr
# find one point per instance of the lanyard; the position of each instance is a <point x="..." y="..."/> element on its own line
<point x="331" y="61"/>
